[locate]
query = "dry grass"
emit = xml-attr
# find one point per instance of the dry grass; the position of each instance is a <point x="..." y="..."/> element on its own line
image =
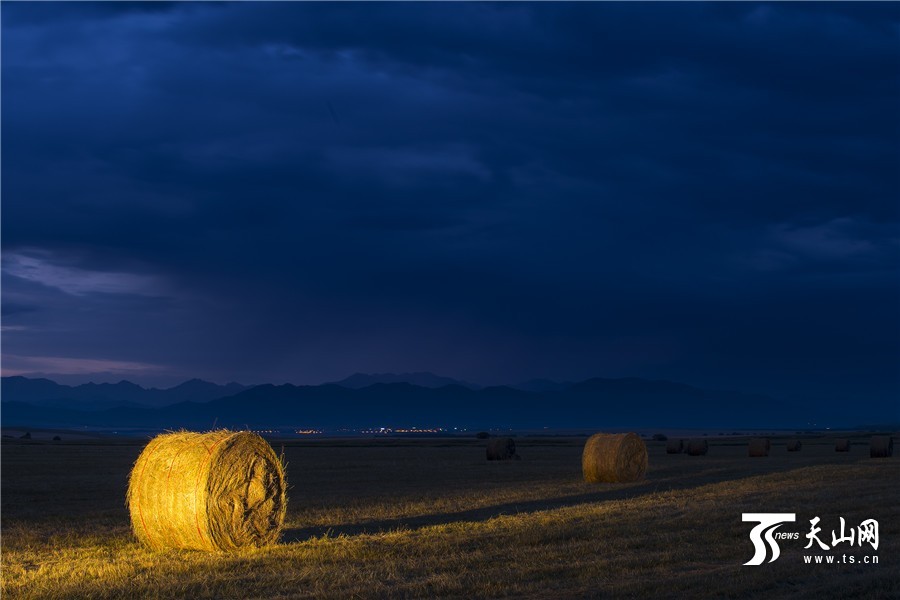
<point x="434" y="519"/>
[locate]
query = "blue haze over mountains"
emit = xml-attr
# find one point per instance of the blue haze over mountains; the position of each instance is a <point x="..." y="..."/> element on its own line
<point x="412" y="400"/>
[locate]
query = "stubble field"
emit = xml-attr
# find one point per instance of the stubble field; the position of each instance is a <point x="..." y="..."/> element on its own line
<point x="432" y="518"/>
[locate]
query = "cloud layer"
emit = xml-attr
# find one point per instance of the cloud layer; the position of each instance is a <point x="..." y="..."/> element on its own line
<point x="282" y="191"/>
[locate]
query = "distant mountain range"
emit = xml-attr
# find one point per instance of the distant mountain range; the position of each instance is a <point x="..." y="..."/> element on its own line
<point x="96" y="396"/>
<point x="421" y="379"/>
<point x="594" y="403"/>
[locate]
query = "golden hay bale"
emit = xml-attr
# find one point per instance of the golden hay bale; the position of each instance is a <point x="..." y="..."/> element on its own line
<point x="697" y="448"/>
<point x="614" y="458"/>
<point x="794" y="446"/>
<point x="207" y="491"/>
<point x="842" y="445"/>
<point x="502" y="449"/>
<point x="674" y="446"/>
<point x="759" y="447"/>
<point x="881" y="446"/>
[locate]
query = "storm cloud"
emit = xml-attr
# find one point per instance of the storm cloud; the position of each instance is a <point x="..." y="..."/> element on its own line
<point x="294" y="192"/>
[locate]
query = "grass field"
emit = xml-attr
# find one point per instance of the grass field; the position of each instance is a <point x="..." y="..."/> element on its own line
<point x="432" y="518"/>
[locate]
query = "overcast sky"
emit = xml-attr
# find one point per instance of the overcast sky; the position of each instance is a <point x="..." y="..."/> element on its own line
<point x="496" y="192"/>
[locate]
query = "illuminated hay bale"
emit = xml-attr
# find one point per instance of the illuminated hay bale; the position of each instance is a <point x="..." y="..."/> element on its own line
<point x="674" y="446"/>
<point x="697" y="448"/>
<point x="614" y="458"/>
<point x="220" y="490"/>
<point x="881" y="446"/>
<point x="502" y="449"/>
<point x="842" y="445"/>
<point x="759" y="447"/>
<point x="794" y="446"/>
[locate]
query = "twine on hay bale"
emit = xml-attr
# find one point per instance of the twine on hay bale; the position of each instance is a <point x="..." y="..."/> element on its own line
<point x="759" y="447"/>
<point x="881" y="446"/>
<point x="220" y="490"/>
<point x="502" y="449"/>
<point x="614" y="458"/>
<point x="697" y="448"/>
<point x="842" y="445"/>
<point x="674" y="446"/>
<point x="794" y="446"/>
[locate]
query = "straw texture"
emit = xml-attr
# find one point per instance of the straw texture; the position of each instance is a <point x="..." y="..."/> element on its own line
<point x="758" y="447"/>
<point x="221" y="490"/>
<point x="501" y="449"/>
<point x="881" y="446"/>
<point x="697" y="448"/>
<point x="614" y="458"/>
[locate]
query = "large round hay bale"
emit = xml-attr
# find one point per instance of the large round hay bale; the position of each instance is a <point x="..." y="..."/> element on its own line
<point x="502" y="449"/>
<point x="697" y="448"/>
<point x="758" y="447"/>
<point x="614" y="458"/>
<point x="881" y="446"/>
<point x="842" y="445"/>
<point x="207" y="491"/>
<point x="794" y="446"/>
<point x="674" y="446"/>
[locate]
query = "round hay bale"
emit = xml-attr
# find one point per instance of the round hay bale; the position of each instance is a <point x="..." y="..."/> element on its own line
<point x="502" y="449"/>
<point x="842" y="445"/>
<point x="697" y="448"/>
<point x="660" y="437"/>
<point x="758" y="447"/>
<point x="482" y="435"/>
<point x="614" y="458"/>
<point x="794" y="446"/>
<point x="881" y="446"/>
<point x="220" y="490"/>
<point x="674" y="446"/>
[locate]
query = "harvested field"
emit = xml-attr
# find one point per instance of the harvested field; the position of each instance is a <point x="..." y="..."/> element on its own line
<point x="432" y="518"/>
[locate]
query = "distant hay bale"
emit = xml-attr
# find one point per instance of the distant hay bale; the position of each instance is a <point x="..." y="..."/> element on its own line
<point x="697" y="448"/>
<point x="56" y="438"/>
<point x="660" y="437"/>
<point x="674" y="446"/>
<point x="842" y="445"/>
<point x="502" y="449"/>
<point x="220" y="490"/>
<point x="758" y="447"/>
<point x="614" y="458"/>
<point x="794" y="446"/>
<point x="25" y="436"/>
<point x="881" y="446"/>
<point x="482" y="435"/>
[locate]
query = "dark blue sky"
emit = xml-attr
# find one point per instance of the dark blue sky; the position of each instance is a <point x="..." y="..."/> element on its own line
<point x="294" y="192"/>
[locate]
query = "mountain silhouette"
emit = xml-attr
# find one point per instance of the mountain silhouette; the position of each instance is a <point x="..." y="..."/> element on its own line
<point x="94" y="396"/>
<point x="421" y="379"/>
<point x="542" y="385"/>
